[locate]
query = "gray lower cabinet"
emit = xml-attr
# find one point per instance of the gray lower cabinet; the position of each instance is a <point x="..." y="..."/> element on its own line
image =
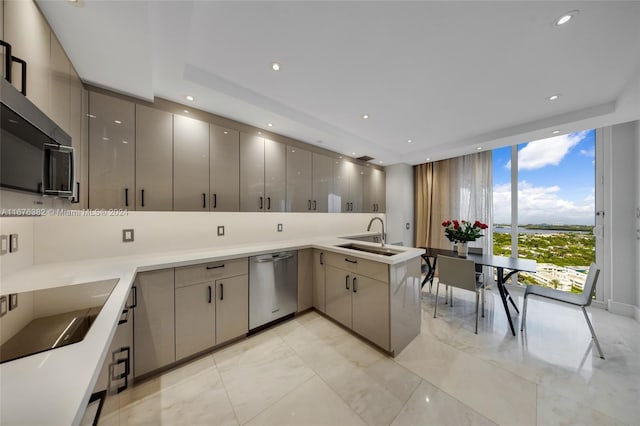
<point x="305" y="279"/>
<point x="275" y="165"/>
<point x="190" y="164"/>
<point x="319" y="271"/>
<point x="338" y="295"/>
<point x="322" y="182"/>
<point x="224" y="169"/>
<point x="154" y="321"/>
<point x="370" y="304"/>
<point x="232" y="307"/>
<point x="154" y="159"/>
<point x="299" y="168"/>
<point x="195" y="318"/>
<point x="252" y="198"/>
<point x="111" y="152"/>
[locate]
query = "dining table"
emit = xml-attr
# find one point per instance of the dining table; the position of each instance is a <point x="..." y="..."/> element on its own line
<point x="501" y="263"/>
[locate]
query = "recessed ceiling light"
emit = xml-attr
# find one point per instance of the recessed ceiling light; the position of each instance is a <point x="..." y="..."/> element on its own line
<point x="553" y="97"/>
<point x="125" y="141"/>
<point x="339" y="156"/>
<point x="104" y="138"/>
<point x="428" y="159"/>
<point x="293" y="150"/>
<point x="117" y="121"/>
<point x="225" y="132"/>
<point x="186" y="111"/>
<point x="259" y="133"/>
<point x="353" y="153"/>
<point x="409" y="141"/>
<point x="479" y="148"/>
<point x="365" y="116"/>
<point x="275" y="66"/>
<point x="91" y="116"/>
<point x="269" y="124"/>
<point x="565" y="17"/>
<point x="189" y="98"/>
<point x="380" y="162"/>
<point x="555" y="132"/>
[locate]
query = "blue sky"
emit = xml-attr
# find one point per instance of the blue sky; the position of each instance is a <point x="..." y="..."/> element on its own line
<point x="556" y="180"/>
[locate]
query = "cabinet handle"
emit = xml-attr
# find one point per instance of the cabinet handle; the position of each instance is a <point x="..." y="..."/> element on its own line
<point x="126" y="197"/>
<point x="24" y="73"/>
<point x="215" y="201"/>
<point x="216" y="266"/>
<point x="322" y="258"/>
<point x="221" y="291"/>
<point x="355" y="284"/>
<point x="261" y="206"/>
<point x="309" y="203"/>
<point x="314" y="205"/>
<point x="7" y="60"/>
<point x="134" y="289"/>
<point x="125" y="312"/>
<point x="268" y="203"/>
<point x="209" y="287"/>
<point x="346" y="259"/>
<point x="142" y="197"/>
<point x="127" y="368"/>
<point x="76" y="199"/>
<point x="204" y="200"/>
<point x="99" y="396"/>
<point x="346" y="282"/>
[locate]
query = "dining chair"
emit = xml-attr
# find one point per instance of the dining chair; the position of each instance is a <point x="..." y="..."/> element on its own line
<point x="460" y="273"/>
<point x="582" y="299"/>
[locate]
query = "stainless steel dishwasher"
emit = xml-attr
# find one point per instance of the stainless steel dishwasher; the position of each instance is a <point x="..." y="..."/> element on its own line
<point x="273" y="287"/>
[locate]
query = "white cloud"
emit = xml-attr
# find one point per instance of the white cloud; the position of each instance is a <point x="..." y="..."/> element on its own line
<point x="541" y="204"/>
<point x="547" y="152"/>
<point x="591" y="153"/>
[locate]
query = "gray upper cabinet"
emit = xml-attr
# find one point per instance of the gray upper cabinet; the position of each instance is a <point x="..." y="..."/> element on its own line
<point x="275" y="165"/>
<point x="111" y="152"/>
<point x="154" y="159"/>
<point x="224" y="169"/>
<point x="299" y="166"/>
<point x="322" y="182"/>
<point x="252" y="197"/>
<point x="347" y="187"/>
<point x="190" y="164"/>
<point x="374" y="191"/>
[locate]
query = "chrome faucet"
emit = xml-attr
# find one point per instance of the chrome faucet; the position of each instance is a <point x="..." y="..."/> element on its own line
<point x="381" y="223"/>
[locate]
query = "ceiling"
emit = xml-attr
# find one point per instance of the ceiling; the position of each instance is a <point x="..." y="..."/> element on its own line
<point x="449" y="76"/>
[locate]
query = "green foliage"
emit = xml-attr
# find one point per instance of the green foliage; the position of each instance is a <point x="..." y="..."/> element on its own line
<point x="562" y="248"/>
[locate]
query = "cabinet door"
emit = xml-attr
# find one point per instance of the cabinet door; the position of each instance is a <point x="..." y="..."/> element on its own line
<point x="30" y="37"/>
<point x="338" y="295"/>
<point x="224" y="169"/>
<point x="381" y="191"/>
<point x="356" y="187"/>
<point x="319" y="271"/>
<point x="305" y="279"/>
<point x="111" y="152"/>
<point x="275" y="166"/>
<point x="154" y="321"/>
<point x="154" y="159"/>
<point x="232" y="308"/>
<point x="369" y="194"/>
<point x="60" y="85"/>
<point x="371" y="310"/>
<point x="299" y="167"/>
<point x="252" y="173"/>
<point x="190" y="164"/>
<point x="195" y="319"/>
<point x="322" y="182"/>
<point x="340" y="200"/>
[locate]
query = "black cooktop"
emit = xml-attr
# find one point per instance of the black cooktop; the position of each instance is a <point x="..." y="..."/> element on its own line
<point x="42" y="320"/>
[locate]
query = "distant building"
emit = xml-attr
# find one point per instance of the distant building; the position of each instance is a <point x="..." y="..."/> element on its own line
<point x="566" y="277"/>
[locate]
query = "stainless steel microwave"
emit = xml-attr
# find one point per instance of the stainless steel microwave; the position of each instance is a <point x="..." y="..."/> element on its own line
<point x="35" y="154"/>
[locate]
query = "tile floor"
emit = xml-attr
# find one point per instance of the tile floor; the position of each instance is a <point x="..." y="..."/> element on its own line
<point x="310" y="371"/>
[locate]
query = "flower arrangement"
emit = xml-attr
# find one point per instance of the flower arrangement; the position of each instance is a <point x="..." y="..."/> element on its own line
<point x="463" y="231"/>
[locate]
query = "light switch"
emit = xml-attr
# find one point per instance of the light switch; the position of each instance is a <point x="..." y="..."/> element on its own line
<point x="127" y="235"/>
<point x="4" y="244"/>
<point x="279" y="227"/>
<point x="13" y="243"/>
<point x="220" y="231"/>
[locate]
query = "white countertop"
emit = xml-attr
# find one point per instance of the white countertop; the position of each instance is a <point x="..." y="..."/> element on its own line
<point x="54" y="387"/>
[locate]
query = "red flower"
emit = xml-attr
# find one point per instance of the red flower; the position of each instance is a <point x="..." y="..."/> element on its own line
<point x="477" y="224"/>
<point x="456" y="224"/>
<point x="483" y="226"/>
<point x="446" y="223"/>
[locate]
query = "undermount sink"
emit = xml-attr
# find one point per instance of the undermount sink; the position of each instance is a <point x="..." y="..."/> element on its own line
<point x="375" y="250"/>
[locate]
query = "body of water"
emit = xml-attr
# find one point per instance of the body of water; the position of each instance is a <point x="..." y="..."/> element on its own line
<point x="507" y="230"/>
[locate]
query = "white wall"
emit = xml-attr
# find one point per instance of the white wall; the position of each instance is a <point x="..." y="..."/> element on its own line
<point x="620" y="220"/>
<point x="637" y="180"/>
<point x="60" y="238"/>
<point x="400" y="205"/>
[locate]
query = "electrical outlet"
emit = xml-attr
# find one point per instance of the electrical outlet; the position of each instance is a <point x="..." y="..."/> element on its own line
<point x="4" y="244"/>
<point x="221" y="231"/>
<point x="407" y="225"/>
<point x="13" y="301"/>
<point x="127" y="235"/>
<point x="13" y="243"/>
<point x="279" y="227"/>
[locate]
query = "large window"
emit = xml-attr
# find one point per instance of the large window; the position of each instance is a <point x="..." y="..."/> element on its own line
<point x="556" y="208"/>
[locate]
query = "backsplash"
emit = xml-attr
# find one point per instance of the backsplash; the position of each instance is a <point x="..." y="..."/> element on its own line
<point x="66" y="238"/>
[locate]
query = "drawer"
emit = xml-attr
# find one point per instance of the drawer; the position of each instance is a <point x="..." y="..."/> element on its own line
<point x="369" y="268"/>
<point x="187" y="275"/>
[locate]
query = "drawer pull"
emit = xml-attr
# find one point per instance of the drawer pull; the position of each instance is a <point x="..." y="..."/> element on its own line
<point x="346" y="282"/>
<point x="350" y="260"/>
<point x="216" y="266"/>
